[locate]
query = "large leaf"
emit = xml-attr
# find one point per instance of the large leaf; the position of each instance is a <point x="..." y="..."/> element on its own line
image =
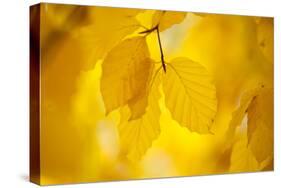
<point x="137" y="135"/>
<point x="167" y="19"/>
<point x="190" y="95"/>
<point x="125" y="73"/>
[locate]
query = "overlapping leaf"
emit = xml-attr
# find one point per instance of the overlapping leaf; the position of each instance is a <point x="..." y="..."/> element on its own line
<point x="137" y="135"/>
<point x="190" y="95"/>
<point x="125" y="73"/>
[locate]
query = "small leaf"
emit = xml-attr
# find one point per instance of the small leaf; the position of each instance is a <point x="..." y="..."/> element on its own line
<point x="167" y="19"/>
<point x="190" y="95"/>
<point x="137" y="135"/>
<point x="125" y="73"/>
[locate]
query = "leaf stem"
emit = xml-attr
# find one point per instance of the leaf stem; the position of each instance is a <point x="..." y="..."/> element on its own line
<point x="147" y="32"/>
<point x="161" y="50"/>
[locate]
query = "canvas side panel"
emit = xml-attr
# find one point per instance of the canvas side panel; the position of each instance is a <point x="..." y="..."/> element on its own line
<point x="34" y="94"/>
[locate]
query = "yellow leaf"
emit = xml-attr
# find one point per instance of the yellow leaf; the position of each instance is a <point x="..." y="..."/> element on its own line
<point x="167" y="19"/>
<point x="239" y="114"/>
<point x="136" y="136"/>
<point x="108" y="28"/>
<point x="257" y="106"/>
<point x="125" y="73"/>
<point x="190" y="95"/>
<point x="260" y="124"/>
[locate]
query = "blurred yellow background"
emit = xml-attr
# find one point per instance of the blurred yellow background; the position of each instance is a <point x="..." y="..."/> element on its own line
<point x="79" y="143"/>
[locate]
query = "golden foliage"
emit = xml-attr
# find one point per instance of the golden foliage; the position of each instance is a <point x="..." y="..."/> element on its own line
<point x="190" y="95"/>
<point x="129" y="93"/>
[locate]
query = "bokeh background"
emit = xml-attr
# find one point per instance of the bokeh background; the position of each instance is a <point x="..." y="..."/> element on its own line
<point x="80" y="144"/>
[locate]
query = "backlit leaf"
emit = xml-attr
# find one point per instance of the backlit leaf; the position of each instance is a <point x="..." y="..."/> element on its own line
<point x="125" y="73"/>
<point x="190" y="95"/>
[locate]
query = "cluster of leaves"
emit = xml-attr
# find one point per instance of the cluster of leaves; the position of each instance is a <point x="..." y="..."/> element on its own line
<point x="145" y="82"/>
<point x="131" y="80"/>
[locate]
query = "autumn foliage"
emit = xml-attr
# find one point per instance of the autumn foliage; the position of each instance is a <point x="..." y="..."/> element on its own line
<point x="133" y="93"/>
